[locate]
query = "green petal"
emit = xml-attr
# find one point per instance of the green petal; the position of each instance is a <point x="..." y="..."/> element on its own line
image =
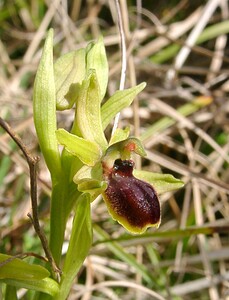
<point x="117" y="102"/>
<point x="69" y="70"/>
<point x="125" y="147"/>
<point x="119" y="135"/>
<point x="88" y="152"/>
<point x="88" y="111"/>
<point x="132" y="144"/>
<point x="161" y="182"/>
<point x="123" y="150"/>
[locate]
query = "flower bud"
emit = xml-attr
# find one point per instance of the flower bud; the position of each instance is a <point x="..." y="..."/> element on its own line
<point x="132" y="202"/>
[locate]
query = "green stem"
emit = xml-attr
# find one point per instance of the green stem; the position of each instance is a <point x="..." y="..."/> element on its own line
<point x="60" y="195"/>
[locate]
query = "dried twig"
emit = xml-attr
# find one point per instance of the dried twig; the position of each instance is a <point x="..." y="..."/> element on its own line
<point x="22" y="256"/>
<point x="32" y="163"/>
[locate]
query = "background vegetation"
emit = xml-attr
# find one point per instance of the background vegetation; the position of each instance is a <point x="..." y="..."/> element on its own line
<point x="180" y="49"/>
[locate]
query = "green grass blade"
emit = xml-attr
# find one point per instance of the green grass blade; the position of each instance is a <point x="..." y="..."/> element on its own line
<point x="118" y="250"/>
<point x="184" y="110"/>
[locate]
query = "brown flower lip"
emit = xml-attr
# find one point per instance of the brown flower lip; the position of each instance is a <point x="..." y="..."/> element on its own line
<point x="132" y="202"/>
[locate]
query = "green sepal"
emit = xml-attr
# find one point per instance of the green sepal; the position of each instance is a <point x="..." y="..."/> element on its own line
<point x="87" y="151"/>
<point x="92" y="186"/>
<point x="19" y="269"/>
<point x="79" y="245"/>
<point x="88" y="111"/>
<point x="90" y="180"/>
<point x="119" y="101"/>
<point x="69" y="72"/>
<point x="161" y="182"/>
<point x="46" y="285"/>
<point x="44" y="108"/>
<point x="86" y="172"/>
<point x="96" y="59"/>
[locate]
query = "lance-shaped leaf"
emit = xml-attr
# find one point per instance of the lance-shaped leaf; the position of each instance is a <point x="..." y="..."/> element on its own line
<point x="79" y="245"/>
<point x="11" y="292"/>
<point x="44" y="108"/>
<point x="69" y="72"/>
<point x="87" y="151"/>
<point x="119" y="101"/>
<point x="14" y="268"/>
<point x="96" y="59"/>
<point x="88" y="111"/>
<point x="132" y="202"/>
<point x="46" y="285"/>
<point x="161" y="182"/>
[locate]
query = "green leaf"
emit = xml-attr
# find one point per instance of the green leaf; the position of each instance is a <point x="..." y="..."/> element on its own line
<point x="19" y="269"/>
<point x="69" y="72"/>
<point x="79" y="245"/>
<point x="11" y="292"/>
<point x="161" y="182"/>
<point x="87" y="151"/>
<point x="96" y="59"/>
<point x="44" y="108"/>
<point x="64" y="196"/>
<point x="46" y="285"/>
<point x="88" y="111"/>
<point x="119" y="101"/>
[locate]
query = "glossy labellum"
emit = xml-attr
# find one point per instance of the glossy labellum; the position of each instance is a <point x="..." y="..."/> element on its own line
<point x="132" y="202"/>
